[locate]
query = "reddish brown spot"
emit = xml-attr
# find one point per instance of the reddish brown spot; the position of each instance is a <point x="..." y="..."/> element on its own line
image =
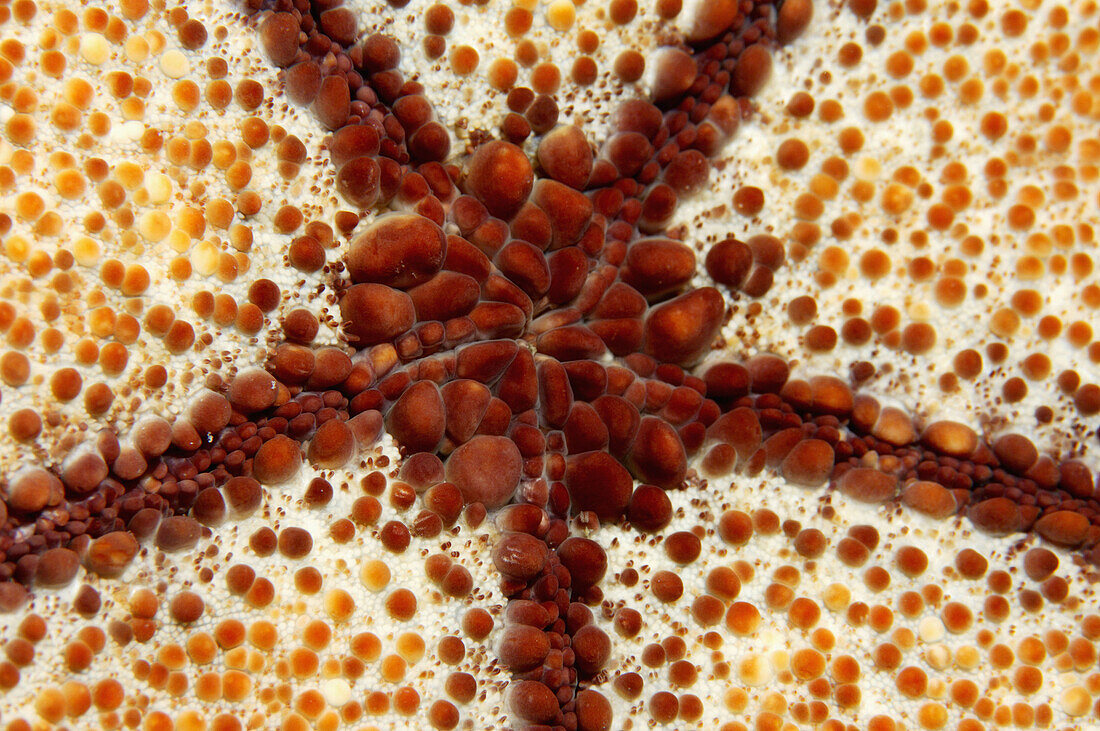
<point x="676" y="71"/>
<point x="277" y="460"/>
<point x="418" y="419"/>
<point x="868" y="485"/>
<point x="486" y="470"/>
<point x="523" y="647"/>
<point x="585" y="559"/>
<point x="597" y="482"/>
<point x="566" y="156"/>
<point x="519" y="555"/>
<point x="500" y="175"/>
<point x="683" y="329"/>
<point x="657" y="267"/>
<point x="374" y="313"/>
<point x="658" y="455"/>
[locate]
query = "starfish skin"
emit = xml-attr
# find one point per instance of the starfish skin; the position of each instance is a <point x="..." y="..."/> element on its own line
<point x="561" y="387"/>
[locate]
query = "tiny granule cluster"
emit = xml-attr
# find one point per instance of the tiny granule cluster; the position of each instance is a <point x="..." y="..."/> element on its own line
<point x="510" y="365"/>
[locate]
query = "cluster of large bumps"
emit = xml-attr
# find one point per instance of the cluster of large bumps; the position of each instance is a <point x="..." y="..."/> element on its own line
<point x="817" y="430"/>
<point x="490" y="280"/>
<point x="524" y="247"/>
<point x="574" y="434"/>
<point x="382" y="124"/>
<point x="551" y="641"/>
<point x="567" y="264"/>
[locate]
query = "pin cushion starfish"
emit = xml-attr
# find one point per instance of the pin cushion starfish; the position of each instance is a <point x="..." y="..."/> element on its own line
<point x="568" y="365"/>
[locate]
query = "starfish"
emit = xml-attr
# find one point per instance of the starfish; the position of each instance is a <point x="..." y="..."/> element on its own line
<point x="517" y="393"/>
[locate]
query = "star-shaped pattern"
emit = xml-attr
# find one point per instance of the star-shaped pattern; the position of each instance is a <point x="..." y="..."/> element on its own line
<point x="518" y="394"/>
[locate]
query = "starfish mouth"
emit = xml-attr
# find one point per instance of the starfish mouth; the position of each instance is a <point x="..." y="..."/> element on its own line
<point x="374" y="387"/>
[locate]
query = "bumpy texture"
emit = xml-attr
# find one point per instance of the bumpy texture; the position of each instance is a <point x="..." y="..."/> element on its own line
<point x="548" y="366"/>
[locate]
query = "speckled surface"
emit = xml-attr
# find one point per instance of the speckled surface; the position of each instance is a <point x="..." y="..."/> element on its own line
<point x="936" y="206"/>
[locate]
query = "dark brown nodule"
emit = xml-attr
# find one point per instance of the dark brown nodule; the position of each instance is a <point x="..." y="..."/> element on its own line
<point x="520" y="556"/>
<point x="109" y="555"/>
<point x="375" y="313"/>
<point x="399" y="250"/>
<point x="597" y="482"/>
<point x="868" y="485"/>
<point x="650" y="508"/>
<point x="523" y="647"/>
<point x="682" y="330"/>
<point x="422" y="470"/>
<point x="177" y="533"/>
<point x="501" y="177"/>
<point x="658" y="456"/>
<point x="32" y="489"/>
<point x="998" y="515"/>
<point x="333" y="444"/>
<point x="592" y="649"/>
<point x="752" y="70"/>
<point x="792" y="19"/>
<point x="295" y="542"/>
<point x="1040" y="563"/>
<point x="566" y="156"/>
<point x="676" y="71"/>
<point x="277" y="460"/>
<point x="593" y="711"/>
<point x="56" y="568"/>
<point x="930" y="498"/>
<point x="728" y="262"/>
<point x="533" y="701"/>
<point x="486" y="470"/>
<point x="711" y="19"/>
<point x="300" y="327"/>
<point x="186" y="607"/>
<point x="657" y="267"/>
<point x="1063" y="527"/>
<point x="279" y="38"/>
<point x="243" y="495"/>
<point x="808" y="463"/>
<point x="585" y="559"/>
